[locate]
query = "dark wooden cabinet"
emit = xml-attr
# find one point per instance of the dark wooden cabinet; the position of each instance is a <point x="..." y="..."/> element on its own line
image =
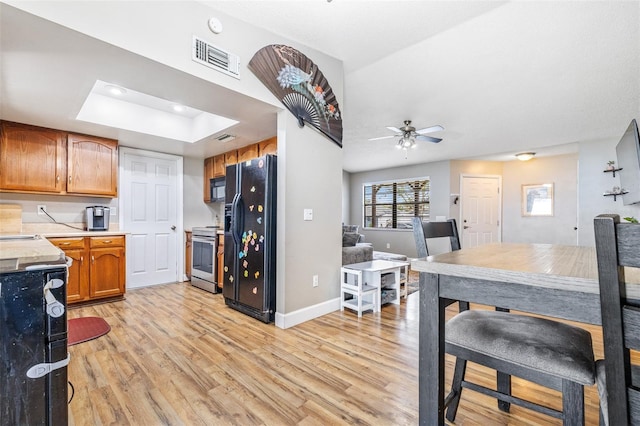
<point x="98" y="268"/>
<point x="92" y="165"/>
<point x="40" y="160"/>
<point x="219" y="167"/>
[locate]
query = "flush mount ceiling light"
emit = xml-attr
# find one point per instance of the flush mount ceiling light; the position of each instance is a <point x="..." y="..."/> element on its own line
<point x="143" y="113"/>
<point x="525" y="156"/>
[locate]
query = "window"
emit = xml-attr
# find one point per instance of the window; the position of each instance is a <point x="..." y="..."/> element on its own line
<point x="394" y="204"/>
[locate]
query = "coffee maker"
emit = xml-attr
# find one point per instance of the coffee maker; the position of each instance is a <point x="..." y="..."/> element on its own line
<point x="98" y="218"/>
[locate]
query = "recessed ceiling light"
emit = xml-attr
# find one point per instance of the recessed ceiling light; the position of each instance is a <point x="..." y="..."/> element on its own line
<point x="116" y="90"/>
<point x="178" y="108"/>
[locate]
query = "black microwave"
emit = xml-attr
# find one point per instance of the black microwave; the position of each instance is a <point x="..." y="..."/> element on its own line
<point x="216" y="189"/>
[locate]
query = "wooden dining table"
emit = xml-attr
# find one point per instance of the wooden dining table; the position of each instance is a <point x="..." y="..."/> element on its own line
<point x="552" y="280"/>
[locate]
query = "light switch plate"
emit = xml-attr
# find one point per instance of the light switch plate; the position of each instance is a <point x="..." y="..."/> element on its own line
<point x="308" y="214"/>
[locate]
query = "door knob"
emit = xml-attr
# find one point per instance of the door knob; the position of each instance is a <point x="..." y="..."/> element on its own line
<point x="173" y="228"/>
<point x="465" y="227"/>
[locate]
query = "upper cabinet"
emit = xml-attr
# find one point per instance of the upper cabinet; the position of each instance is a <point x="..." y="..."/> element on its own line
<point x="248" y="152"/>
<point x="32" y="158"/>
<point x="41" y="160"/>
<point x="92" y="165"/>
<point x="268" y="146"/>
<point x="216" y="166"/>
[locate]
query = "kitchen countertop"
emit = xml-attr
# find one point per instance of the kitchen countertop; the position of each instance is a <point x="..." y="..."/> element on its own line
<point x="52" y="230"/>
<point x="15" y="254"/>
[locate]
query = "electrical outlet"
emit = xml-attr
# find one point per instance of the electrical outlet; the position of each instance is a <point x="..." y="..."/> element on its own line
<point x="113" y="211"/>
<point x="41" y="209"/>
<point x="315" y="281"/>
<point x="388" y="245"/>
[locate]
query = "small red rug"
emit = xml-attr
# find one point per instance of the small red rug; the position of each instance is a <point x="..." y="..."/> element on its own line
<point x="83" y="329"/>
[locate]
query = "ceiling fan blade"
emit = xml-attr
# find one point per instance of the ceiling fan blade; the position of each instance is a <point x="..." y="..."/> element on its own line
<point x="394" y="129"/>
<point x="435" y="128"/>
<point x="383" y="137"/>
<point x="427" y="139"/>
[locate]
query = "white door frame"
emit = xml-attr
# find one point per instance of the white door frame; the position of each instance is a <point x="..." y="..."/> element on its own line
<point x="179" y="201"/>
<point x="499" y="178"/>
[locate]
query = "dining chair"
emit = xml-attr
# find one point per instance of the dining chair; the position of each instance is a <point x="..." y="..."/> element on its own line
<point x="617" y="250"/>
<point x="550" y="353"/>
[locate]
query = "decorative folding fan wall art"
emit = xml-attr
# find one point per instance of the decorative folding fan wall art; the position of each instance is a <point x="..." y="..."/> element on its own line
<point x="301" y="87"/>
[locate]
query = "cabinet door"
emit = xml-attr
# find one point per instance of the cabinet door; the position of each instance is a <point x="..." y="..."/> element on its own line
<point x="219" y="168"/>
<point x="268" y="146"/>
<point x="208" y="175"/>
<point x="248" y="153"/>
<point x="107" y="272"/>
<point x="78" y="280"/>
<point x="230" y="157"/>
<point x="187" y="254"/>
<point x="31" y="158"/>
<point x="220" y="261"/>
<point x="92" y="165"/>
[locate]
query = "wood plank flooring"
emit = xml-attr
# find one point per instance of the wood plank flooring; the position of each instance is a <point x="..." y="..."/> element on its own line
<point x="176" y="355"/>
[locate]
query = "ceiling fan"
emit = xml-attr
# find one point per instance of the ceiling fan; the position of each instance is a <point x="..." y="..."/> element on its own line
<point x="408" y="135"/>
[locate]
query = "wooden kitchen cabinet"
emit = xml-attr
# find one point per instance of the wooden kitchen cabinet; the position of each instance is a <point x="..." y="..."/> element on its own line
<point x="208" y="175"/>
<point x="248" y="153"/>
<point x="187" y="254"/>
<point x="220" y="261"/>
<point x="98" y="268"/>
<point x="77" y="288"/>
<point x="219" y="167"/>
<point x="268" y="146"/>
<point x="230" y="157"/>
<point x="40" y="160"/>
<point x="32" y="159"/>
<point x="92" y="165"/>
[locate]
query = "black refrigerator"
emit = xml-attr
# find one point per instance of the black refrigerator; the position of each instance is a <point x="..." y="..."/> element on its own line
<point x="33" y="345"/>
<point x="250" y="238"/>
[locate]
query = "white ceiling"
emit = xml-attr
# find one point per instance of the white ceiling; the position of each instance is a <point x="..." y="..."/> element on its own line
<point x="501" y="77"/>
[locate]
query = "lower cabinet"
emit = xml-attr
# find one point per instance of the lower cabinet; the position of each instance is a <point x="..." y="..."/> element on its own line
<point x="98" y="268"/>
<point x="220" y="260"/>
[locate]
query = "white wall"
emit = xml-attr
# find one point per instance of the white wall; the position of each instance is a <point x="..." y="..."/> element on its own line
<point x="593" y="182"/>
<point x="196" y="211"/>
<point x="562" y="171"/>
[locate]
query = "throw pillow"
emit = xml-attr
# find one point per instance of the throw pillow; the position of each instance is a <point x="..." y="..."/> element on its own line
<point x="349" y="239"/>
<point x="350" y="228"/>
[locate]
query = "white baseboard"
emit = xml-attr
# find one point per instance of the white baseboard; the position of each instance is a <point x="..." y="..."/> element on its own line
<point x="306" y="314"/>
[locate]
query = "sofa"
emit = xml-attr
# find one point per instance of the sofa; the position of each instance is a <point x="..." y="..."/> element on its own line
<point x="354" y="249"/>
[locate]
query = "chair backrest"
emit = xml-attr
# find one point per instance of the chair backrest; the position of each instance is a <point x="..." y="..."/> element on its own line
<point x="618" y="246"/>
<point x="425" y="230"/>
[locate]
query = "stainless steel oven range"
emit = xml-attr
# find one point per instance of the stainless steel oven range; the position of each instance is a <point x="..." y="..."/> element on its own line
<point x="203" y="258"/>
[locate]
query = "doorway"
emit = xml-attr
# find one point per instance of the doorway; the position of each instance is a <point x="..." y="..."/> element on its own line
<point x="480" y="209"/>
<point x="150" y="202"/>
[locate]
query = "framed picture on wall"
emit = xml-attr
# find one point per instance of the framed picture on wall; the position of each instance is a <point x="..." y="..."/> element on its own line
<point x="537" y="200"/>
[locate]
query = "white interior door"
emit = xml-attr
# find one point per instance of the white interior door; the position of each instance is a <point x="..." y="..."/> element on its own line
<point x="151" y="214"/>
<point x="480" y="210"/>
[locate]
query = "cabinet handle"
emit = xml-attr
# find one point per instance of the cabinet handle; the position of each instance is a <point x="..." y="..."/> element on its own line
<point x="93" y="259"/>
<point x="107" y="242"/>
<point x="81" y="259"/>
<point x="57" y="178"/>
<point x="66" y="244"/>
<point x="69" y="178"/>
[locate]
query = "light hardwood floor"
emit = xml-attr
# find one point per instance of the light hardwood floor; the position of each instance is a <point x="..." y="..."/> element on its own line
<point x="176" y="355"/>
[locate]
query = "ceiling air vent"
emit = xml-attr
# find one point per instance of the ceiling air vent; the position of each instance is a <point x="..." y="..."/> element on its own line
<point x="225" y="137"/>
<point x="216" y="58"/>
